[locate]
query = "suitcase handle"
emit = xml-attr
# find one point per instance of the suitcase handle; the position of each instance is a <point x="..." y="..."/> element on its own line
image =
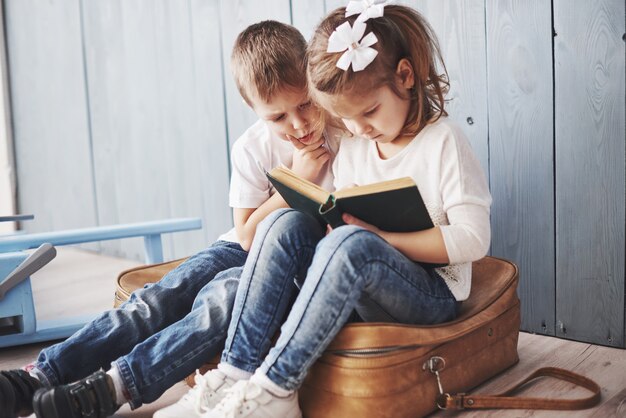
<point x="504" y="400"/>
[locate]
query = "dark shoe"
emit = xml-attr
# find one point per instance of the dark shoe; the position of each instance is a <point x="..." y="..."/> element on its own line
<point x="91" y="397"/>
<point x="16" y="393"/>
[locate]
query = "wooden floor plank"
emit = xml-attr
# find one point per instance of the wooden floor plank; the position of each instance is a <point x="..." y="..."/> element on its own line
<point x="86" y="282"/>
<point x="612" y="407"/>
<point x="607" y="366"/>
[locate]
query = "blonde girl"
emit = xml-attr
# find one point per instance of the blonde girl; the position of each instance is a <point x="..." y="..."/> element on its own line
<point x="377" y="69"/>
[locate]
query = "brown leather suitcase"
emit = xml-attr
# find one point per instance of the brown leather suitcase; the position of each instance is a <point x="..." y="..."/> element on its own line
<point x="388" y="370"/>
<point x="137" y="277"/>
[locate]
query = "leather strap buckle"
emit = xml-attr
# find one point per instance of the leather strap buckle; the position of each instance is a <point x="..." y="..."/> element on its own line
<point x="453" y="402"/>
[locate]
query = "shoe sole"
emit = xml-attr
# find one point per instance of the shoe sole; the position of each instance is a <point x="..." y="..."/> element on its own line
<point x="7" y="398"/>
<point x="44" y="404"/>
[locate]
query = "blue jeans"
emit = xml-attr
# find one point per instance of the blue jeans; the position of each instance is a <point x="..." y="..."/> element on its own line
<point x="350" y="269"/>
<point x="162" y="333"/>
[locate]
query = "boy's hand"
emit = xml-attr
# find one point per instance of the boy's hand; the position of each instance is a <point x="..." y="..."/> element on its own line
<point x="308" y="160"/>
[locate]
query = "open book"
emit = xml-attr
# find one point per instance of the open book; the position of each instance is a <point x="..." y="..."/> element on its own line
<point x="394" y="206"/>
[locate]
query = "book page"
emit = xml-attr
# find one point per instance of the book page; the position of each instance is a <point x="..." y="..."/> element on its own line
<point x="307" y="188"/>
<point x="382" y="186"/>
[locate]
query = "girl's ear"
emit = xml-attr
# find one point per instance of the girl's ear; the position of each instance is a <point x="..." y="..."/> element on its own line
<point x="406" y="76"/>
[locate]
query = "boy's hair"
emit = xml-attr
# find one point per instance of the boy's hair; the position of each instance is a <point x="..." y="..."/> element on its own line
<point x="402" y="33"/>
<point x="267" y="57"/>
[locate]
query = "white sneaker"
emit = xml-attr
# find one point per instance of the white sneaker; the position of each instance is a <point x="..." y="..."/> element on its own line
<point x="247" y="399"/>
<point x="209" y="391"/>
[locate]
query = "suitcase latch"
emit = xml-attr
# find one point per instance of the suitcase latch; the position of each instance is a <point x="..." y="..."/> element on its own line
<point x="434" y="365"/>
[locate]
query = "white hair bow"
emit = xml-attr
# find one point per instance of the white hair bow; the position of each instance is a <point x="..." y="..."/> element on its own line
<point x="367" y="9"/>
<point x="358" y="52"/>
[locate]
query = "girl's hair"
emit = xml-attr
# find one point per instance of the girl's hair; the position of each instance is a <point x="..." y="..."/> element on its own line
<point x="402" y="33"/>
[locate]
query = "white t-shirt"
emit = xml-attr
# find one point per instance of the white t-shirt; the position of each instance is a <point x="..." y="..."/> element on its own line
<point x="451" y="181"/>
<point x="256" y="151"/>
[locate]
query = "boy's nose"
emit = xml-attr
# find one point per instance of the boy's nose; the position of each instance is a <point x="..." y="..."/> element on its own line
<point x="299" y="123"/>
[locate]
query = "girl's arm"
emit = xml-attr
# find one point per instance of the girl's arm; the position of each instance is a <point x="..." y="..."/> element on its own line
<point x="425" y="246"/>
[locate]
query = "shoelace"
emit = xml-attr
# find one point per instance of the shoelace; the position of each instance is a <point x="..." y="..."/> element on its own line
<point x="204" y="383"/>
<point x="236" y="397"/>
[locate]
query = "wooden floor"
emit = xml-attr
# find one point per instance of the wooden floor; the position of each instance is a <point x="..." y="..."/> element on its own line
<point x="86" y="282"/>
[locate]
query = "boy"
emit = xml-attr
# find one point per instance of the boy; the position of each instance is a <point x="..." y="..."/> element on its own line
<point x="167" y="330"/>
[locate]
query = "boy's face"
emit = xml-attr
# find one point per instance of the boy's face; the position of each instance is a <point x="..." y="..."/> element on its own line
<point x="290" y="114"/>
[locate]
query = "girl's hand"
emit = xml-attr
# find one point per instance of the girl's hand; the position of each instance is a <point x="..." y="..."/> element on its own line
<point x="351" y="220"/>
<point x="308" y="160"/>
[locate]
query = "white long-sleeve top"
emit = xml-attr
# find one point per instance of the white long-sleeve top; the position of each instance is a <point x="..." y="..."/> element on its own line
<point x="451" y="181"/>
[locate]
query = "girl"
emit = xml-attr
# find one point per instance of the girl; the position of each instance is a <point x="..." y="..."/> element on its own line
<point x="378" y="73"/>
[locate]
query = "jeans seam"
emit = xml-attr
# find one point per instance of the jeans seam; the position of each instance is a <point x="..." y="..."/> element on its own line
<point x="383" y="262"/>
<point x="247" y="291"/>
<point x="129" y="383"/>
<point x="257" y="361"/>
<point x="199" y="348"/>
<point x="325" y="340"/>
<point x="292" y="381"/>
<point x="49" y="374"/>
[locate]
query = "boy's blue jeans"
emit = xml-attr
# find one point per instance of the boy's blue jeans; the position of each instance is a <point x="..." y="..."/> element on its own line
<point x="162" y="333"/>
<point x="350" y="269"/>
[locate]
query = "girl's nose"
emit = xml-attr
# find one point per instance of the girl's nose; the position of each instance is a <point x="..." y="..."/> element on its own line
<point x="362" y="128"/>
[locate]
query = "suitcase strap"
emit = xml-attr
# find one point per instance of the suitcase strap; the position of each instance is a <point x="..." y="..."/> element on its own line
<point x="504" y="400"/>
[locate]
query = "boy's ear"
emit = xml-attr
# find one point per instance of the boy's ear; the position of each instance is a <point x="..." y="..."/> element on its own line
<point x="405" y="73"/>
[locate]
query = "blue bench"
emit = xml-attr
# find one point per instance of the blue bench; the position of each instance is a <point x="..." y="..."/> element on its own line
<point x="18" y="322"/>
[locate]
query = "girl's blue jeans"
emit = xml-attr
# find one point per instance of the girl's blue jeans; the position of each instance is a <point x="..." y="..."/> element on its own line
<point x="162" y="333"/>
<point x="349" y="270"/>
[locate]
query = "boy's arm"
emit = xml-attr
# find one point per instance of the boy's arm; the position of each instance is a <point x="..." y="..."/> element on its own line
<point x="308" y="161"/>
<point x="246" y="220"/>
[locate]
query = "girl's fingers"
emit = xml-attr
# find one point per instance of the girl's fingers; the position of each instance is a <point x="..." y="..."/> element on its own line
<point x="351" y="220"/>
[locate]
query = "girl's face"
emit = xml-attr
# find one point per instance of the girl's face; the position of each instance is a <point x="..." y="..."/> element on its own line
<point x="379" y="114"/>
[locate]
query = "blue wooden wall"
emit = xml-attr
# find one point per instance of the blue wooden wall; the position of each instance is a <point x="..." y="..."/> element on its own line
<point x="124" y="110"/>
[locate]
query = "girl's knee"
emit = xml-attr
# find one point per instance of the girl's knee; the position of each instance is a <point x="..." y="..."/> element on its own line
<point x="351" y="240"/>
<point x="286" y="222"/>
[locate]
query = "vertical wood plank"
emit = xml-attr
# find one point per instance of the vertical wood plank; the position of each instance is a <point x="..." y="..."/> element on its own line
<point x="155" y="87"/>
<point x="519" y="58"/>
<point x="306" y="15"/>
<point x="333" y="4"/>
<point x="209" y="105"/>
<point x="235" y="17"/>
<point x="590" y="169"/>
<point x="460" y="29"/>
<point x="50" y="120"/>
<point x="7" y="162"/>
